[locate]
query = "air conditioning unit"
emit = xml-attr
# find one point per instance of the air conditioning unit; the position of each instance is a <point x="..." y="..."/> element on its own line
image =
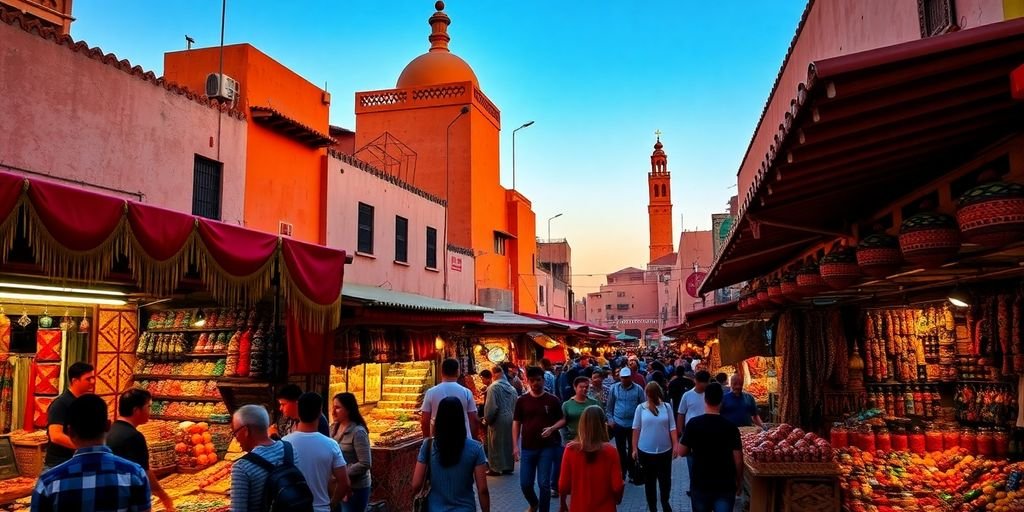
<point x="285" y="228"/>
<point x="221" y="87"/>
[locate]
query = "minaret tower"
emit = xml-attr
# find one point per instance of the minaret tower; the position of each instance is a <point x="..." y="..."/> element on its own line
<point x="659" y="208"/>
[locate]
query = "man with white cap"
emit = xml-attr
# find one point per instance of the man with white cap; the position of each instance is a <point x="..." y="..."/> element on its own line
<point x="623" y="398"/>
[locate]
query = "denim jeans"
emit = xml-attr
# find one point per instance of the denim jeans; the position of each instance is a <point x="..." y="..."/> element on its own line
<point x="535" y="465"/>
<point x="358" y="501"/>
<point x="624" y="444"/>
<point x="704" y="501"/>
<point x="556" y="466"/>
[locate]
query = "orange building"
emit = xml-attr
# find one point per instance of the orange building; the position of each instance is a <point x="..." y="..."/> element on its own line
<point x="51" y="13"/>
<point x="659" y="209"/>
<point x="438" y="112"/>
<point x="285" y="174"/>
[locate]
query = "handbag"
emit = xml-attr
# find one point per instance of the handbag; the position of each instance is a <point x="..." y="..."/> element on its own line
<point x="419" y="501"/>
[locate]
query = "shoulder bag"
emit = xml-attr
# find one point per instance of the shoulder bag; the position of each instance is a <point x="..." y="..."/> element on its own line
<point x="419" y="502"/>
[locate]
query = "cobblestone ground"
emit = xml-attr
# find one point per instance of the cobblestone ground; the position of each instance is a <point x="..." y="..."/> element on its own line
<point x="506" y="496"/>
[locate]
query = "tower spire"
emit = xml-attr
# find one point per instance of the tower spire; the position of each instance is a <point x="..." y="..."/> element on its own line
<point x="439" y="22"/>
<point x="659" y="209"/>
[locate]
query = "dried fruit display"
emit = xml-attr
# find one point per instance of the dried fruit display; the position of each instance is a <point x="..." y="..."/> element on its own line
<point x="195" y="446"/>
<point x="786" y="444"/>
<point x="900" y="343"/>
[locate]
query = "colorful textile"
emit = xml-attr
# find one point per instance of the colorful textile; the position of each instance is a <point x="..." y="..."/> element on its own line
<point x="19" y="393"/>
<point x="48" y="346"/>
<point x="6" y="394"/>
<point x="47" y="379"/>
<point x="94" y="479"/>
<point x="41" y="406"/>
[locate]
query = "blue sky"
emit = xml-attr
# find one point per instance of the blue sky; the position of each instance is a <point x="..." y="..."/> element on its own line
<point x="597" y="77"/>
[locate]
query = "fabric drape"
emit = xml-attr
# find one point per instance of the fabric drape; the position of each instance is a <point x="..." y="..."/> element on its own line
<point x="163" y="245"/>
<point x="22" y="366"/>
<point x="308" y="351"/>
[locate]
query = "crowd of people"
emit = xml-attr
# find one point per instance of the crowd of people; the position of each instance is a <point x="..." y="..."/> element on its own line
<point x="579" y="431"/>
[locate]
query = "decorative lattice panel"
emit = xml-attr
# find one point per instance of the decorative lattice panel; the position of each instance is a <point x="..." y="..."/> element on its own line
<point x="116" y="337"/>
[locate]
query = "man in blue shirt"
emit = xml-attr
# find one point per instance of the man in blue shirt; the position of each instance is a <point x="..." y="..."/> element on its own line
<point x="739" y="407"/>
<point x="94" y="479"/>
<point x="623" y="398"/>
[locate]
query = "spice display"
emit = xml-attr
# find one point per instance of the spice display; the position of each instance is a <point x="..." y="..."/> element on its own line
<point x="184" y="389"/>
<point x="948" y="480"/>
<point x="395" y="418"/>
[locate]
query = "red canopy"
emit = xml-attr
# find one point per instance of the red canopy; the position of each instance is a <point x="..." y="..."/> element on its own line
<point x="76" y="233"/>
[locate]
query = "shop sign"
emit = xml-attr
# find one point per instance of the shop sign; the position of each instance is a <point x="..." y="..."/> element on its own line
<point x="456" y="263"/>
<point x="693" y="282"/>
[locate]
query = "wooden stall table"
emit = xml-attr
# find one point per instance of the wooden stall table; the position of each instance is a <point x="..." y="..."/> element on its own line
<point x="792" y="486"/>
<point x="391" y="473"/>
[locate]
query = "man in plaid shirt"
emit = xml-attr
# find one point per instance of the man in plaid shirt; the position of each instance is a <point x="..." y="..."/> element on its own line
<point x="94" y="479"/>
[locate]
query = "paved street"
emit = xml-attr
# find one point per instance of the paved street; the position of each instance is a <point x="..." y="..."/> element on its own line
<point x="506" y="496"/>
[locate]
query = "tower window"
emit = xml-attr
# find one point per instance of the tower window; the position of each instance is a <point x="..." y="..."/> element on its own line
<point x="663" y="194"/>
<point x="655" y="191"/>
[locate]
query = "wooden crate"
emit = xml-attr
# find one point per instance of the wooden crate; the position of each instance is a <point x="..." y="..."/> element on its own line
<point x="30" y="457"/>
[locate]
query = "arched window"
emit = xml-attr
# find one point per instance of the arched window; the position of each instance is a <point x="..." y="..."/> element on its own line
<point x="655" y="191"/>
<point x="663" y="191"/>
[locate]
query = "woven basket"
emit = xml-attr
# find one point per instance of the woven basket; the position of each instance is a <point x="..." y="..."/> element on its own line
<point x="29" y="457"/>
<point x="992" y="214"/>
<point x="792" y="468"/>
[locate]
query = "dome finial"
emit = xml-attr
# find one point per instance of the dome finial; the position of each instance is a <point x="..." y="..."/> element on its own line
<point x="439" y="22"/>
<point x="657" y="143"/>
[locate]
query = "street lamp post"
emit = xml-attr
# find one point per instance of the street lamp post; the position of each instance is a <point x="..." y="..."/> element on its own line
<point x="549" y="225"/>
<point x="444" y="251"/>
<point x="525" y="125"/>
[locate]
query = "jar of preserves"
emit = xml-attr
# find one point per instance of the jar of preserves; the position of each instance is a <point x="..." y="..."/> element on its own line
<point x="899" y="439"/>
<point x="916" y="440"/>
<point x="920" y="404"/>
<point x="839" y="436"/>
<point x="1002" y="442"/>
<point x="969" y="441"/>
<point x="910" y="402"/>
<point x="933" y="439"/>
<point x="899" y="405"/>
<point x="883" y="440"/>
<point x="950" y="438"/>
<point x="865" y="439"/>
<point x="986" y="442"/>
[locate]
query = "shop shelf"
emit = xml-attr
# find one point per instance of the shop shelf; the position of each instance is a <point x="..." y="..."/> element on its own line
<point x="187" y="418"/>
<point x="151" y="376"/>
<point x="199" y="330"/>
<point x="187" y="398"/>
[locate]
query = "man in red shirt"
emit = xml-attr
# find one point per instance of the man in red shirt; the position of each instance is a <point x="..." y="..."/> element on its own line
<point x="532" y="423"/>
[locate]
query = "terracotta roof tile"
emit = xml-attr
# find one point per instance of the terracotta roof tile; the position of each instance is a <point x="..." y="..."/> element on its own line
<point x="16" y="19"/>
<point x="291" y="126"/>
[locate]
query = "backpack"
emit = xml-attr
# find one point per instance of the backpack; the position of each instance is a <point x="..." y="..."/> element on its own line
<point x="286" y="489"/>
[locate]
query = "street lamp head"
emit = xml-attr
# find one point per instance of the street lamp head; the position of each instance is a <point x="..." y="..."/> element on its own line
<point x="528" y="123"/>
<point x="557" y="216"/>
<point x="464" y="110"/>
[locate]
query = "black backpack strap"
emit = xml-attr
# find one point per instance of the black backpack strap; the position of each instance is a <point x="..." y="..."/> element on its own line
<point x="289" y="457"/>
<point x="259" y="461"/>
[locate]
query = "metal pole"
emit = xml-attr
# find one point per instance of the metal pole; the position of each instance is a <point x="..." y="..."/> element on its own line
<point x="514" y="158"/>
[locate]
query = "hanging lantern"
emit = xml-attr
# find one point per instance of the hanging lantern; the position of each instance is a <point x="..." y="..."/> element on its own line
<point x="878" y="255"/>
<point x="775" y="291"/>
<point x="839" y="268"/>
<point x="992" y="214"/>
<point x="929" y="239"/>
<point x="808" y="279"/>
<point x="789" y="288"/>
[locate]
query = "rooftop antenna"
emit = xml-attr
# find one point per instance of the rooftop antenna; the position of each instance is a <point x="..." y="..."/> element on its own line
<point x="189" y="41"/>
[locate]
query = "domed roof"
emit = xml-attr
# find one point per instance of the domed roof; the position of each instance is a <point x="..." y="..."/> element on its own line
<point x="439" y="65"/>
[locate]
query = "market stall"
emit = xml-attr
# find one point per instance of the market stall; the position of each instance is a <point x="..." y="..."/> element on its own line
<point x="151" y="298"/>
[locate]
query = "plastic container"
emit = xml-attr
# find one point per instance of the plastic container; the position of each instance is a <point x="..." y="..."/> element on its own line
<point x="839" y="436"/>
<point x="865" y="439"/>
<point x="900" y="441"/>
<point x="916" y="440"/>
<point x="883" y="440"/>
<point x="969" y="441"/>
<point x="986" y="442"/>
<point x="950" y="439"/>
<point x="933" y="439"/>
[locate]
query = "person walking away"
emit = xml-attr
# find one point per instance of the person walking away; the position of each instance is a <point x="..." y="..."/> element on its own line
<point x="596" y="391"/>
<point x="623" y="399"/>
<point x="499" y="407"/>
<point x="572" y="409"/>
<point x="454" y="463"/>
<point x="678" y="385"/>
<point x="532" y="423"/>
<point x="81" y="380"/>
<point x="93" y="479"/>
<point x="319" y="456"/>
<point x="691" y="406"/>
<point x="252" y="482"/>
<point x="448" y="387"/>
<point x="125" y="440"/>
<point x="288" y="406"/>
<point x="654" y="444"/>
<point x="638" y="376"/>
<point x="713" y="443"/>
<point x="589" y="480"/>
<point x="740" y="407"/>
<point x="549" y="376"/>
<point x="350" y="431"/>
